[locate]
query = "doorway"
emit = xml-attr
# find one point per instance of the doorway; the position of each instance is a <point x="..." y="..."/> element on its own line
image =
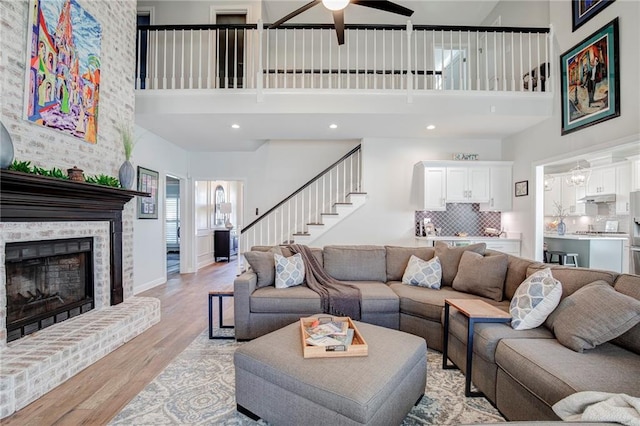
<point x="231" y="50"/>
<point x="172" y="224"/>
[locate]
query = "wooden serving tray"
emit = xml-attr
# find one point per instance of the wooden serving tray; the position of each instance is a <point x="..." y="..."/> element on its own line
<point x="358" y="346"/>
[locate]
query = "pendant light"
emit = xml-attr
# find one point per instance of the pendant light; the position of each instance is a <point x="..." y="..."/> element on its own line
<point x="579" y="176"/>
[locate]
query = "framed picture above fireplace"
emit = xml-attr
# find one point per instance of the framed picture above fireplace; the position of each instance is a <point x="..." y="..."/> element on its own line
<point x="148" y="182"/>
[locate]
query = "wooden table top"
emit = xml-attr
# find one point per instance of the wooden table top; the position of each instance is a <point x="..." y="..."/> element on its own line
<point x="475" y="308"/>
<point x="221" y="293"/>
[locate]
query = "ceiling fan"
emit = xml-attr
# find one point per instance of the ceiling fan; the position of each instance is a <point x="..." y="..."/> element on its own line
<point x="338" y="6"/>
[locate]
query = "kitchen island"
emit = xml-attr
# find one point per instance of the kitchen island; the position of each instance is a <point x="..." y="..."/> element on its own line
<point x="594" y="251"/>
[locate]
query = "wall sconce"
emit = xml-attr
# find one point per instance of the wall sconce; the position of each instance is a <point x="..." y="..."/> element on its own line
<point x="225" y="209"/>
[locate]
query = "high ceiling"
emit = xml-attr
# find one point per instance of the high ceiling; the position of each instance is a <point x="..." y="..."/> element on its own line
<point x="202" y="121"/>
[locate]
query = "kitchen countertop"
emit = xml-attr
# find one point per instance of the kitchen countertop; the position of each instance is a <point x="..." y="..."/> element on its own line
<point x="587" y="237"/>
<point x="467" y="238"/>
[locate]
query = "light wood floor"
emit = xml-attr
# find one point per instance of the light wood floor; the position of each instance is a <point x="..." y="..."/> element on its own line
<point x="98" y="393"/>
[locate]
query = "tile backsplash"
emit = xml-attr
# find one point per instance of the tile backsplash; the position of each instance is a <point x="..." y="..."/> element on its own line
<point x="460" y="217"/>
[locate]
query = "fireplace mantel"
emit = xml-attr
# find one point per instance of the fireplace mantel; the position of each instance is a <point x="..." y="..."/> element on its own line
<point x="31" y="198"/>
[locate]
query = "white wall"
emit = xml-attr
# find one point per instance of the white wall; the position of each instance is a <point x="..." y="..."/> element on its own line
<point x="270" y="173"/>
<point x="387" y="172"/>
<point x="149" y="250"/>
<point x="543" y="141"/>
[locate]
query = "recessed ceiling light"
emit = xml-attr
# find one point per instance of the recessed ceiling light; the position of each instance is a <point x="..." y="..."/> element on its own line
<point x="333" y="126"/>
<point x="431" y="127"/>
<point x="235" y="126"/>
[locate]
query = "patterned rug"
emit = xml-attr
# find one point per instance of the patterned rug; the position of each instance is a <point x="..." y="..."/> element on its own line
<point x="197" y="388"/>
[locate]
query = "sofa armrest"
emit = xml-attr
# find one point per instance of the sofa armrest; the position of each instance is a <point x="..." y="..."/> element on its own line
<point x="243" y="286"/>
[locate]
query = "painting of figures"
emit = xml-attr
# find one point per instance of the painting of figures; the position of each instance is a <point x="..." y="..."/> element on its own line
<point x="583" y="10"/>
<point x="590" y="80"/>
<point x="63" y="68"/>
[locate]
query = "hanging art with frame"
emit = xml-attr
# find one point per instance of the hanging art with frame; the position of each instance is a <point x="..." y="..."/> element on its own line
<point x="522" y="188"/>
<point x="62" y="82"/>
<point x="148" y="182"/>
<point x="590" y="80"/>
<point x="583" y="10"/>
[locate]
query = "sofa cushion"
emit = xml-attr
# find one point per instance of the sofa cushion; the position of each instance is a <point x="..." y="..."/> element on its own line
<point x="516" y="274"/>
<point x="552" y="372"/>
<point x="289" y="270"/>
<point x="376" y="297"/>
<point x="398" y="258"/>
<point x="450" y="258"/>
<point x="299" y="299"/>
<point x="263" y="264"/>
<point x="423" y="273"/>
<point x="574" y="278"/>
<point x="286" y="252"/>
<point x="534" y="300"/>
<point x="425" y="302"/>
<point x="593" y="315"/>
<point x="356" y="263"/>
<point x="481" y="275"/>
<point x="630" y="285"/>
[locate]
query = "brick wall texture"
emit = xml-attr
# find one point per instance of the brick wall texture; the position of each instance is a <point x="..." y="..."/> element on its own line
<point x="50" y="148"/>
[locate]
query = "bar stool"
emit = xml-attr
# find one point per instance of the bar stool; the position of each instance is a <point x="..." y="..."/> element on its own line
<point x="560" y="255"/>
<point x="574" y="259"/>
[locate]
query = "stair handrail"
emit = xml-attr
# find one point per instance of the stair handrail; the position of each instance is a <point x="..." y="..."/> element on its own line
<point x="302" y="188"/>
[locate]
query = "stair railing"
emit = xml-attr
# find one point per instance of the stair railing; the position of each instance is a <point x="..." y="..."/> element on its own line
<point x="306" y="206"/>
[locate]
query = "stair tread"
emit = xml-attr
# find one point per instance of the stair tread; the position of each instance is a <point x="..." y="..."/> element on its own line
<point x="318" y="224"/>
<point x="330" y="214"/>
<point x="357" y="193"/>
<point x="301" y="233"/>
<point x="342" y="204"/>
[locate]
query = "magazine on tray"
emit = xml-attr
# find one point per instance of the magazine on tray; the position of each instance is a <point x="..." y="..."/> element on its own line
<point x="332" y="328"/>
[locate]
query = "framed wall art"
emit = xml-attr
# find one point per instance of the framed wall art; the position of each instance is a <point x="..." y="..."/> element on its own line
<point x="590" y="80"/>
<point x="62" y="81"/>
<point x="148" y="182"/>
<point x="522" y="188"/>
<point x="583" y="10"/>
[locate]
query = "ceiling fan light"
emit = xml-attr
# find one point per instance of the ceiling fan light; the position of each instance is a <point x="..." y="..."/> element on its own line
<point x="335" y="4"/>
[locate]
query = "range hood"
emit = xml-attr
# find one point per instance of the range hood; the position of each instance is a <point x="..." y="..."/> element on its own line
<point x="600" y="198"/>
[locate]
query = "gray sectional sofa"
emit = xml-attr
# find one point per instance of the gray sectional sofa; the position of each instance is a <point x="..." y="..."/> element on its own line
<point x="522" y="372"/>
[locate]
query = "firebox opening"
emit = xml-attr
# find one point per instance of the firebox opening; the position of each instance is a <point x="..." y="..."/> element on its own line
<point x="47" y="282"/>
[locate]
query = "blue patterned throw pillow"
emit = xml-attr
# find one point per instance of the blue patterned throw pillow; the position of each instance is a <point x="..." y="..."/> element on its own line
<point x="423" y="273"/>
<point x="534" y="300"/>
<point x="289" y="270"/>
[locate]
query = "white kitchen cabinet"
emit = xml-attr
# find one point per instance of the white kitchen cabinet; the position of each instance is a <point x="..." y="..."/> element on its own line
<point x="570" y="195"/>
<point x="623" y="187"/>
<point x="602" y="181"/>
<point x="500" y="189"/>
<point x="468" y="184"/>
<point x="553" y="196"/>
<point x="635" y="172"/>
<point x="435" y="184"/>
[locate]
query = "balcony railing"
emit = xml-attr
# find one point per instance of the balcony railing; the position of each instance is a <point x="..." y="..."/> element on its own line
<point x="384" y="57"/>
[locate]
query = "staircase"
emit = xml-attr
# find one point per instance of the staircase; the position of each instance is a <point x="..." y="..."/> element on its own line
<point x="313" y="209"/>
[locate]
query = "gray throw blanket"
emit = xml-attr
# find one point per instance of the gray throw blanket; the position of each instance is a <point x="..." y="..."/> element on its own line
<point x="338" y="298"/>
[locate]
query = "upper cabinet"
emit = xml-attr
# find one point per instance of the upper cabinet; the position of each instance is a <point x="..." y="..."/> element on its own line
<point x="635" y="174"/>
<point x="623" y="187"/>
<point x="485" y="182"/>
<point x="500" y="189"/>
<point x="602" y="181"/>
<point x="468" y="184"/>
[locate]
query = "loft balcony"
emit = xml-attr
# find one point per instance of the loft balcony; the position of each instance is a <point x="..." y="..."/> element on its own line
<point x="481" y="75"/>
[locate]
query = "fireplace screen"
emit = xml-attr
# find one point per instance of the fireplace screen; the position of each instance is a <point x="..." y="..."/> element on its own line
<point x="47" y="282"/>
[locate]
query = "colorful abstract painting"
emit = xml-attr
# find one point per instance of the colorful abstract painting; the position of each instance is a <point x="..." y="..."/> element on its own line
<point x="63" y="70"/>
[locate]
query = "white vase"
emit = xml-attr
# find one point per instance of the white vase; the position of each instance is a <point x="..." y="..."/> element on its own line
<point x="6" y="148"/>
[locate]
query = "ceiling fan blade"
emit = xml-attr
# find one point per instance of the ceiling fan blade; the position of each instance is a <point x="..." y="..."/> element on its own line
<point x="295" y="13"/>
<point x="385" y="5"/>
<point x="338" y="20"/>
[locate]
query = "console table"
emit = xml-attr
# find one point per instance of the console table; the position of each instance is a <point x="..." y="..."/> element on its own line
<point x="225" y="243"/>
<point x="477" y="311"/>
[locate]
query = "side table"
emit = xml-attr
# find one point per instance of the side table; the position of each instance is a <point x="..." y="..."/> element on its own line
<point x="220" y="295"/>
<point x="477" y="311"/>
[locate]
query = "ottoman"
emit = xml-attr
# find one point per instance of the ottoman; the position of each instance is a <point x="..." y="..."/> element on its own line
<point x="274" y="382"/>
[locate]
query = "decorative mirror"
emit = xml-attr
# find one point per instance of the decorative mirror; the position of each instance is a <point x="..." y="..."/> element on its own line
<point x="219" y="199"/>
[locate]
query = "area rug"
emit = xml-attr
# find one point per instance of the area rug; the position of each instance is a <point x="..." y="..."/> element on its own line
<point x="197" y="388"/>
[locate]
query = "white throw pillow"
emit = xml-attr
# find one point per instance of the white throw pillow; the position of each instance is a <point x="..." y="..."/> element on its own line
<point x="534" y="300"/>
<point x="423" y="273"/>
<point x="289" y="270"/>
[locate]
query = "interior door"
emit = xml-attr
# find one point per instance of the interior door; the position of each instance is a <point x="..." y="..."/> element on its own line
<point x="231" y="50"/>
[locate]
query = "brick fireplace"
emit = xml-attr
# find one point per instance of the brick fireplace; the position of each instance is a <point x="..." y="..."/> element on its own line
<point x="51" y="215"/>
